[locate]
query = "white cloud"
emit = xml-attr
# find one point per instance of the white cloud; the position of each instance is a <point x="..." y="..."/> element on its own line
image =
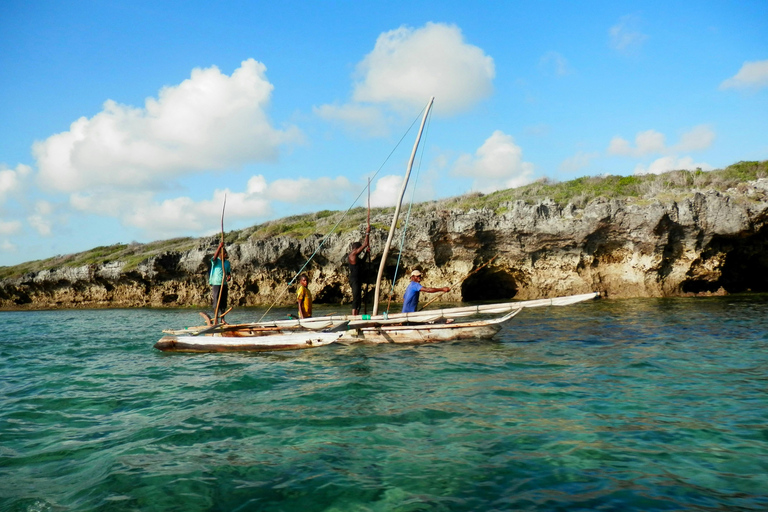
<point x="651" y="142"/>
<point x="10" y="227"/>
<point x="625" y="37"/>
<point x="555" y="62"/>
<point x="619" y="146"/>
<point x="496" y="165"/>
<point x="11" y="180"/>
<point x="647" y="142"/>
<point x="210" y="121"/>
<point x="7" y="246"/>
<point x="41" y="224"/>
<point x="184" y="215"/>
<point x="370" y="119"/>
<point x="307" y="191"/>
<point x="386" y="191"/>
<point x="751" y="75"/>
<point x="698" y="138"/>
<point x="41" y="220"/>
<point x="256" y="185"/>
<point x="408" y="66"/>
<point x="672" y="163"/>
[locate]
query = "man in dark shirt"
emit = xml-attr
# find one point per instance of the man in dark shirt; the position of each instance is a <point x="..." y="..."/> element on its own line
<point x="355" y="274"/>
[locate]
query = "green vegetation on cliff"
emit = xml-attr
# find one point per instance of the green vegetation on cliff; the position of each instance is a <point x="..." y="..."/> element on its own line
<point x="580" y="191"/>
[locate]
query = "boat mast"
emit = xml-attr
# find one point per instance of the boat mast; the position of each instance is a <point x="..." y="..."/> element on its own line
<point x="397" y="210"/>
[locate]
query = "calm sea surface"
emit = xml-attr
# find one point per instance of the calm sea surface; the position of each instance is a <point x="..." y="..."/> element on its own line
<point x="609" y="405"/>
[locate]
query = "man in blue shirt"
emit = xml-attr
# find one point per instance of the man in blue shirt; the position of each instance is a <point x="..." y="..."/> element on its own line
<point x="411" y="295"/>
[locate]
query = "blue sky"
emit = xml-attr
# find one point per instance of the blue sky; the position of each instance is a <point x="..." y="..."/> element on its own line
<point x="130" y="121"/>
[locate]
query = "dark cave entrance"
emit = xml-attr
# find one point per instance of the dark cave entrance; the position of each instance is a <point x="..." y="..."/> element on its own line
<point x="745" y="268"/>
<point x="490" y="285"/>
<point x="330" y="294"/>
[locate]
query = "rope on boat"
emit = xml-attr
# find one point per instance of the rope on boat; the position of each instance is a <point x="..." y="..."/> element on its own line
<point x="333" y="229"/>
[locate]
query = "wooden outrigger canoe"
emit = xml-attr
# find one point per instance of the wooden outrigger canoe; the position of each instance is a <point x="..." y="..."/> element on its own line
<point x="421" y="327"/>
<point x="418" y="327"/>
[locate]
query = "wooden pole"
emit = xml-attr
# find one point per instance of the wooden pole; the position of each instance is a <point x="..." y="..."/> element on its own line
<point x="223" y="269"/>
<point x="397" y="210"/>
<point x="367" y="257"/>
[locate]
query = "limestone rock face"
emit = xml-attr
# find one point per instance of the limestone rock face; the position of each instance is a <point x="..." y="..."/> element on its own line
<point x="706" y="243"/>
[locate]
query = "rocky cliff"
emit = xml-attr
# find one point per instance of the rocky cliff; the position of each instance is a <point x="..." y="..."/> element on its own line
<point x="706" y="242"/>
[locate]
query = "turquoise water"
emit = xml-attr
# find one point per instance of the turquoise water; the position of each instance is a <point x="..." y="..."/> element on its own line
<point x="608" y="405"/>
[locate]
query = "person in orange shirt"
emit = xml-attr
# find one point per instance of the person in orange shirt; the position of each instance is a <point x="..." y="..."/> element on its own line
<point x="304" y="297"/>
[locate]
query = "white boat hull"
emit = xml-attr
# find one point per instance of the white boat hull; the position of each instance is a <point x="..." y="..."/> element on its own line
<point x="427" y="333"/>
<point x="258" y="343"/>
<point x="418" y="334"/>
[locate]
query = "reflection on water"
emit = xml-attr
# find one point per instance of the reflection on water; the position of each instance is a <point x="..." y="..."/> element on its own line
<point x="613" y="405"/>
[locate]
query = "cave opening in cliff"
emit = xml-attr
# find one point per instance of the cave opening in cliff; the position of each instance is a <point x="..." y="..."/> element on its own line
<point x="745" y="268"/>
<point x="489" y="284"/>
<point x="746" y="265"/>
<point x="330" y="294"/>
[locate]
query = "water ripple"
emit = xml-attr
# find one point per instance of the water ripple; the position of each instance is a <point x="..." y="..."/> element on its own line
<point x="612" y="405"/>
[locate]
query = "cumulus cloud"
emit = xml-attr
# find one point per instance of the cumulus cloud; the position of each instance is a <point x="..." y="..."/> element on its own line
<point x="625" y="37"/>
<point x="167" y="217"/>
<point x="652" y="142"/>
<point x="369" y="119"/>
<point x="9" y="227"/>
<point x="407" y="66"/>
<point x="386" y="191"/>
<point x="173" y="216"/>
<point x="41" y="220"/>
<point x="7" y="246"/>
<point x="498" y="164"/>
<point x="310" y="191"/>
<point x="751" y="75"/>
<point x="672" y="163"/>
<point x="210" y="121"/>
<point x="12" y="180"/>
<point x="698" y="138"/>
<point x="647" y="142"/>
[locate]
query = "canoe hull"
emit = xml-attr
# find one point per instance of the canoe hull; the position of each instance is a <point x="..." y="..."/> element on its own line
<point x="243" y="343"/>
<point x="419" y="334"/>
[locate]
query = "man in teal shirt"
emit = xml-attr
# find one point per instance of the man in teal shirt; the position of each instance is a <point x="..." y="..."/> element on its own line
<point x="217" y="281"/>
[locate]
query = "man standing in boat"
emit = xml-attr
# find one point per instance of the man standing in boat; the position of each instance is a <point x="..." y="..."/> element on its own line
<point x="217" y="280"/>
<point x="304" y="297"/>
<point x="411" y="295"/>
<point x="355" y="271"/>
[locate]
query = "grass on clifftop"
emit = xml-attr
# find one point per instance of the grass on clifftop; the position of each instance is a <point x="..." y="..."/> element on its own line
<point x="131" y="254"/>
<point x="579" y="192"/>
